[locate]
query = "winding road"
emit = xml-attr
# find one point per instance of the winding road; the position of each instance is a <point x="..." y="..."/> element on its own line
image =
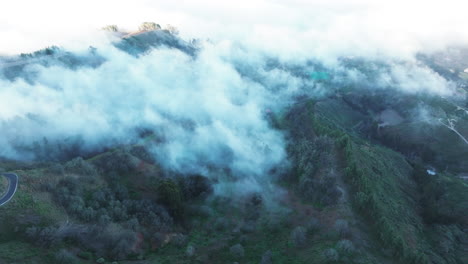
<point x="12" y="186"/>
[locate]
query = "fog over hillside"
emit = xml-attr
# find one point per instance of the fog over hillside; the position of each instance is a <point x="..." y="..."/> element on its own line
<point x="292" y="29"/>
<point x="208" y="103"/>
<point x="256" y="131"/>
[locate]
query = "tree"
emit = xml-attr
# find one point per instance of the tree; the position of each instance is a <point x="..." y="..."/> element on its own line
<point x="331" y="254"/>
<point x="190" y="251"/>
<point x="298" y="236"/>
<point x="173" y="30"/>
<point x="451" y="125"/>
<point x="342" y="227"/>
<point x="111" y="28"/>
<point x="345" y="246"/>
<point x="81" y="167"/>
<point x="170" y="195"/>
<point x="267" y="258"/>
<point x="195" y="186"/>
<point x="149" y="26"/>
<point x="65" y="257"/>
<point x="237" y="251"/>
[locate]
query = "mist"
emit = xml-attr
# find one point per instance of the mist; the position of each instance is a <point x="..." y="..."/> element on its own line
<point x="209" y="109"/>
<point x="318" y="27"/>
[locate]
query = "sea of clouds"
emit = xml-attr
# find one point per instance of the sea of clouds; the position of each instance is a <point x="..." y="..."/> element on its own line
<point x="211" y="109"/>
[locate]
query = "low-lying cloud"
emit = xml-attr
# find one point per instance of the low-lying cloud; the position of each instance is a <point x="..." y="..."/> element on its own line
<point x="211" y="109"/>
<point x="288" y="28"/>
<point x="204" y="112"/>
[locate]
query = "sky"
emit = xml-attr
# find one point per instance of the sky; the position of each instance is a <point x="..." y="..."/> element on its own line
<point x="27" y="25"/>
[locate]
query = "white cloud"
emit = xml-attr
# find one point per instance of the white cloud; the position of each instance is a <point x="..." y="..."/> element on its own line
<point x="205" y="109"/>
<point x="300" y="26"/>
<point x="202" y="106"/>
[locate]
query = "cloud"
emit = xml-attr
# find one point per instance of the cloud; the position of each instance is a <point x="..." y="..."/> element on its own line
<point x="207" y="114"/>
<point x="210" y="110"/>
<point x="291" y="28"/>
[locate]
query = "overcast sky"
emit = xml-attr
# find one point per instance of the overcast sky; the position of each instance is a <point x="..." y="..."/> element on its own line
<point x="26" y="25"/>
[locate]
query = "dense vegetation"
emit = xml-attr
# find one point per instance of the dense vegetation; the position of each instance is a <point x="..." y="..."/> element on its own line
<point x="353" y="188"/>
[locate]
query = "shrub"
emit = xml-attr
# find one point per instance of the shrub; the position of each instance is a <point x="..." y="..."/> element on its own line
<point x="104" y="219"/>
<point x="75" y="233"/>
<point x="342" y="227"/>
<point x="80" y="167"/>
<point x="331" y="255"/>
<point x="47" y="186"/>
<point x="322" y="190"/>
<point x="111" y="28"/>
<point x="204" y="211"/>
<point x="149" y="26"/>
<point x="314" y="165"/>
<point x="253" y="206"/>
<point x="298" y="236"/>
<point x="44" y="237"/>
<point x="122" y="246"/>
<point x="85" y="255"/>
<point x="70" y="185"/>
<point x="190" y="251"/>
<point x="113" y="242"/>
<point x="237" y="251"/>
<point x="120" y="192"/>
<point x="158" y="239"/>
<point x="267" y="258"/>
<point x="274" y="222"/>
<point x="249" y="226"/>
<point x="149" y="213"/>
<point x="142" y="153"/>
<point x="170" y="195"/>
<point x="88" y="214"/>
<point x="105" y="205"/>
<point x="312" y="225"/>
<point x="173" y="30"/>
<point x="195" y="186"/>
<point x="345" y="246"/>
<point x="56" y="168"/>
<point x="303" y="156"/>
<point x="116" y="163"/>
<point x="65" y="257"/>
<point x="222" y="223"/>
<point x="179" y="240"/>
<point x="132" y="224"/>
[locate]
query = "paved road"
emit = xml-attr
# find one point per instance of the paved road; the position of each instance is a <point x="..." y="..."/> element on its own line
<point x="12" y="185"/>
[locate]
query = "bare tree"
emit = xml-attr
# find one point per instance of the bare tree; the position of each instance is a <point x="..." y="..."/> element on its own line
<point x="451" y="125"/>
<point x="298" y="236"/>
<point x="459" y="108"/>
<point x="149" y="26"/>
<point x="237" y="251"/>
<point x="173" y="30"/>
<point x="111" y="28"/>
